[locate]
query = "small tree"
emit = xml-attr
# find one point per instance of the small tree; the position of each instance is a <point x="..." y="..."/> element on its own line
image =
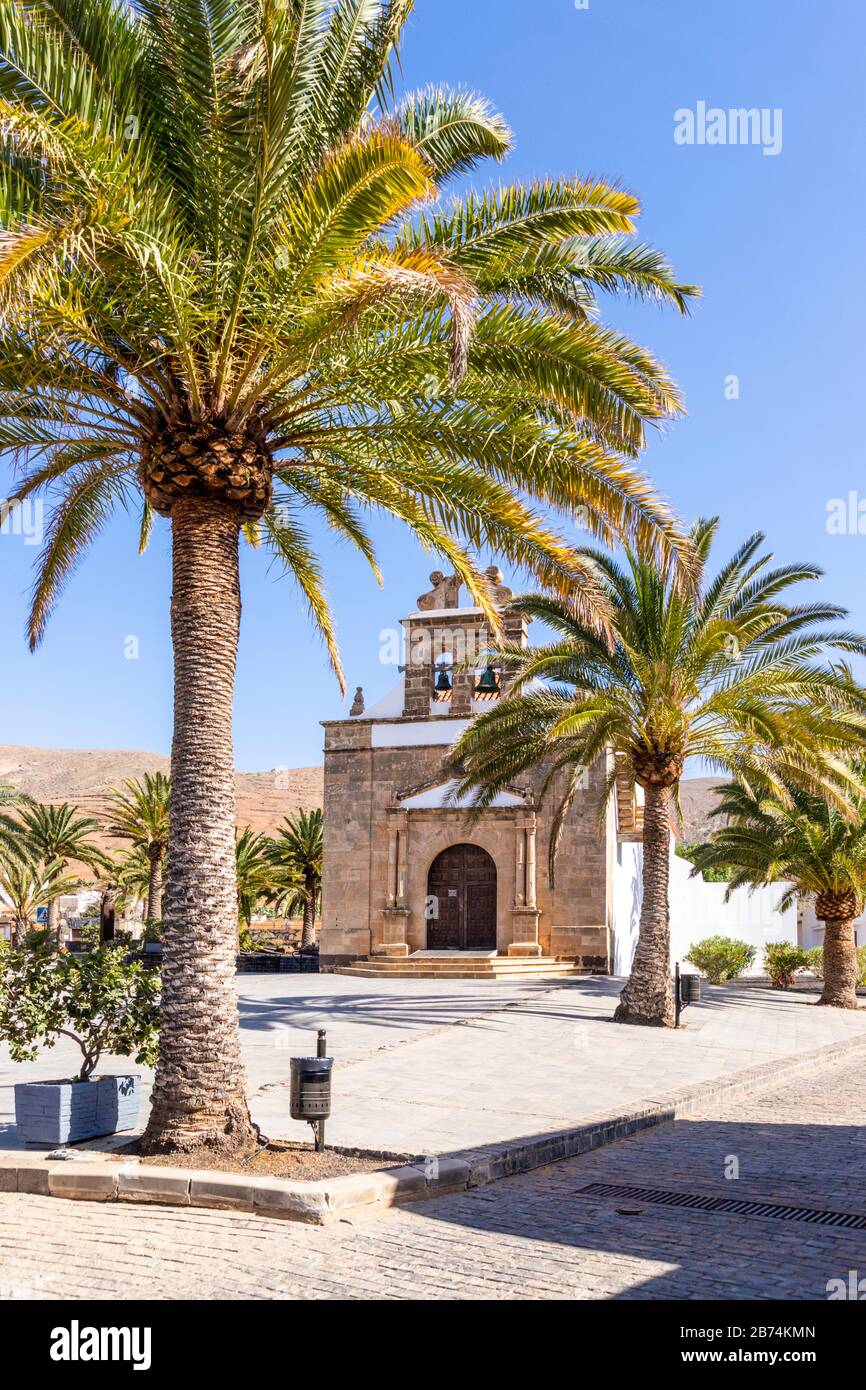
<point x="254" y="874"/>
<point x="27" y="884"/>
<point x="56" y="836"/>
<point x="139" y="812"/>
<point x="100" y="1001"/>
<point x="813" y="847"/>
<point x="296" y="855"/>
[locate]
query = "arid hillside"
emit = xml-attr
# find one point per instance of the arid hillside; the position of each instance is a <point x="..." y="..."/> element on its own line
<point x="83" y="776"/>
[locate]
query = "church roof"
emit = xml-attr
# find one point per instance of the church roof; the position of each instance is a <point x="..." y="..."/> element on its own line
<point x="440" y="796"/>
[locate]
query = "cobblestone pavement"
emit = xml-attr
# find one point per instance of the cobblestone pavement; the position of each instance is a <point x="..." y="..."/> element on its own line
<point x="530" y="1237"/>
<point x="399" y="1045"/>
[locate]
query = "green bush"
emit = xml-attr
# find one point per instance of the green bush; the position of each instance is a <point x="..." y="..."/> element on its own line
<point x="721" y="958"/>
<point x="688" y="853"/>
<point x="815" y="961"/>
<point x="41" y="940"/>
<point x="782" y="961"/>
<point x="104" y="1003"/>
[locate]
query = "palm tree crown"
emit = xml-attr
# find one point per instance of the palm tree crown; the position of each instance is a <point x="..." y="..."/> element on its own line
<point x="732" y="674"/>
<point x="214" y="280"/>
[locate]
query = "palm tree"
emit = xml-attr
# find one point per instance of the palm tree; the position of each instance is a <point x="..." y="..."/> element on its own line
<point x="130" y="874"/>
<point x="139" y="812"/>
<point x="28" y="884"/>
<point x="730" y="674"/>
<point x="56" y="835"/>
<point x="296" y="853"/>
<point x="254" y="877"/>
<point x="814" y="846"/>
<point x="229" y="299"/>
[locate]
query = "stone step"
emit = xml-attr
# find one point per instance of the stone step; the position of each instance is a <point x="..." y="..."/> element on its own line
<point x="467" y="962"/>
<point x="473" y="969"/>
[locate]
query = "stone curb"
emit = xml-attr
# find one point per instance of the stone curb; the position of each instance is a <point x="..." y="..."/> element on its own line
<point x="330" y="1200"/>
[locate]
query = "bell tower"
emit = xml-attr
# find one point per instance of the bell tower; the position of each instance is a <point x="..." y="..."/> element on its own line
<point x="447" y="671"/>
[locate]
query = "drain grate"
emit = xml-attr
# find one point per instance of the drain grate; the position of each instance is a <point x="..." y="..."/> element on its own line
<point x="729" y="1206"/>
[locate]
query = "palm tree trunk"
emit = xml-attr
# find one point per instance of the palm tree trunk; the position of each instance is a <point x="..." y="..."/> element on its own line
<point x="648" y="995"/>
<point x="154" y="888"/>
<point x="53" y="923"/>
<point x="308" y="931"/>
<point x="841" y="966"/>
<point x="199" y="1095"/>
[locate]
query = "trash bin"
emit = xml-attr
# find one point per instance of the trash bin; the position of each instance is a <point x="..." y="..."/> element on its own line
<point x="690" y="989"/>
<point x="310" y="1093"/>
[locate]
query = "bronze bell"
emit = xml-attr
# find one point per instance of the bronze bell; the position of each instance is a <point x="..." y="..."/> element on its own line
<point x="488" y="683"/>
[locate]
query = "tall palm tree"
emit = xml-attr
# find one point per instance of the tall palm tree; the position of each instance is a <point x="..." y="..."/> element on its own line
<point x="139" y="812"/>
<point x="28" y="884"/>
<point x="56" y="835"/>
<point x="228" y="298"/>
<point x="254" y="875"/>
<point x="731" y="674"/>
<point x="296" y="851"/>
<point x="818" y="848"/>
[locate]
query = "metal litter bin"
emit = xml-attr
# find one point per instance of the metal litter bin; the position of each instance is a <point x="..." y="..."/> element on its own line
<point x="310" y="1093"/>
<point x="690" y="986"/>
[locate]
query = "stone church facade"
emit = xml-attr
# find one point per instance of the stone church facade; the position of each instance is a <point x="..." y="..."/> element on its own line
<point x="405" y="870"/>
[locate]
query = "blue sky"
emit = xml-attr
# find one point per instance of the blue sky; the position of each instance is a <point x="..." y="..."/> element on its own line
<point x="775" y="242"/>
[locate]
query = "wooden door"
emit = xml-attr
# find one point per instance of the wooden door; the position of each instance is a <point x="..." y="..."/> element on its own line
<point x="461" y="892"/>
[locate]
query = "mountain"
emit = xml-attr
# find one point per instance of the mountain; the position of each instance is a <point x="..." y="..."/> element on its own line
<point x="698" y="802"/>
<point x="84" y="776"/>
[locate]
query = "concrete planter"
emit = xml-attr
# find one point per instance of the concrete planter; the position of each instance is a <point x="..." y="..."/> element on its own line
<point x="49" y="1113"/>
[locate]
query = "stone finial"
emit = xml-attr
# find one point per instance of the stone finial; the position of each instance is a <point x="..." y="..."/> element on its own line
<point x="444" y="594"/>
<point x="357" y="703"/>
<point x="502" y="595"/>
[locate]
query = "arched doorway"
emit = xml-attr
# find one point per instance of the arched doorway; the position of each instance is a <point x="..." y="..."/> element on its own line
<point x="461" y="900"/>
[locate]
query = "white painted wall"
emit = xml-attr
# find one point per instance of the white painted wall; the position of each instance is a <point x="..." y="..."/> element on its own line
<point x="418" y="733"/>
<point x="812" y="931"/>
<point x="698" y="909"/>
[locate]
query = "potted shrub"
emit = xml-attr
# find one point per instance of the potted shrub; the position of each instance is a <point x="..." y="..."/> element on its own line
<point x="721" y="958"/>
<point x="106" y="1005"/>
